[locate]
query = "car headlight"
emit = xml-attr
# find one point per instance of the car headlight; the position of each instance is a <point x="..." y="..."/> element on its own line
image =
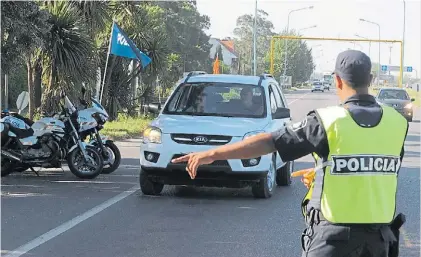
<point x="408" y="106"/>
<point x="151" y="135"/>
<point x="252" y="133"/>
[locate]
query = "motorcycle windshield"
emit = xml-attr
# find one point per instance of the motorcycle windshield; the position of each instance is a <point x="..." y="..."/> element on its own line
<point x="97" y="105"/>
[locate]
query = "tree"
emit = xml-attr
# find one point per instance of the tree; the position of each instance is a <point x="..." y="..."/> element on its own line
<point x="184" y="27"/>
<point x="24" y="28"/>
<point x="68" y="52"/>
<point x="300" y="63"/>
<point x="76" y="39"/>
<point x="244" y="40"/>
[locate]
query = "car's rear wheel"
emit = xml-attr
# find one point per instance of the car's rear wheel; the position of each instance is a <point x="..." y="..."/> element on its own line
<point x="147" y="186"/>
<point x="409" y="119"/>
<point x="283" y="176"/>
<point x="265" y="187"/>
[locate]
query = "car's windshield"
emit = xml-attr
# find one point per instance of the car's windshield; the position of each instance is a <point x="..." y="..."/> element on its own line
<point x="393" y="94"/>
<point x="217" y="99"/>
<point x="317" y="83"/>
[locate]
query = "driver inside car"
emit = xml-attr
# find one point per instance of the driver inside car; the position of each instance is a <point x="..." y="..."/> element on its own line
<point x="249" y="106"/>
<point x="198" y="106"/>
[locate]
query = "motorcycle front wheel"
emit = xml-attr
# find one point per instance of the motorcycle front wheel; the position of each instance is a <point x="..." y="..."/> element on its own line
<point x="7" y="166"/>
<point x="88" y="169"/>
<point x="114" y="158"/>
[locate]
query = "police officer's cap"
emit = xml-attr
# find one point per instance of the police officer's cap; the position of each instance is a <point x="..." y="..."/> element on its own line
<point x="354" y="67"/>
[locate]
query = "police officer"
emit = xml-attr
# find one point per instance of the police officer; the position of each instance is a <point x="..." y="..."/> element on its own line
<point x="358" y="149"/>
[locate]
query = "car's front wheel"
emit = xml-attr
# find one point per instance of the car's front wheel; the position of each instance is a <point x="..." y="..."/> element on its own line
<point x="265" y="187"/>
<point x="147" y="186"/>
<point x="283" y="175"/>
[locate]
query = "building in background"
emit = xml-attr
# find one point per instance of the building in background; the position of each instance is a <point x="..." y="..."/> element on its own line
<point x="229" y="56"/>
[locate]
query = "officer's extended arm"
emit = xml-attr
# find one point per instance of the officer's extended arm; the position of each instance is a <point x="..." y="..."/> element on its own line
<point x="251" y="147"/>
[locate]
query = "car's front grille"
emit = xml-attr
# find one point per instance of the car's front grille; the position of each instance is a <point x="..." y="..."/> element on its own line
<point x="219" y="163"/>
<point x="196" y="139"/>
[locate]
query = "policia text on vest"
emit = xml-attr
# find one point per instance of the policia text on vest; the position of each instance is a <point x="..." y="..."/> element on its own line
<point x="358" y="164"/>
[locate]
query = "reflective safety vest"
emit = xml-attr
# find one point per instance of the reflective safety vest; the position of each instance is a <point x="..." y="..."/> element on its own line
<point x="358" y="181"/>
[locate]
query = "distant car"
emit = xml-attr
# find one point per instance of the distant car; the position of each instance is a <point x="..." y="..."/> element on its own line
<point x="317" y="86"/>
<point x="207" y="111"/>
<point x="397" y="98"/>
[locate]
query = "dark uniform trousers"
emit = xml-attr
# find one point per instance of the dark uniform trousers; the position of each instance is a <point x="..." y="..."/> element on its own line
<point x="324" y="239"/>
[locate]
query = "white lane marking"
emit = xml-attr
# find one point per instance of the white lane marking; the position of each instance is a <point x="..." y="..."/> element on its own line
<point x="21" y="250"/>
<point x="298" y="98"/>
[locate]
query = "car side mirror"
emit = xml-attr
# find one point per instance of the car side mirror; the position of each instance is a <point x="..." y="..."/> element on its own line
<point x="154" y="108"/>
<point x="281" y="113"/>
<point x="412" y="99"/>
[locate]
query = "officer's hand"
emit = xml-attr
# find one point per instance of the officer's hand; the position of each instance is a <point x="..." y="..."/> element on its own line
<point x="307" y="176"/>
<point x="194" y="160"/>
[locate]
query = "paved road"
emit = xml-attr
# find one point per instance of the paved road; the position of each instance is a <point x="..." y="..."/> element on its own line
<point x="57" y="215"/>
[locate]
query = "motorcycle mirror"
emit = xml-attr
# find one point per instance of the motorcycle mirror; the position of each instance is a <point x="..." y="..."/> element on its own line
<point x="22" y="101"/>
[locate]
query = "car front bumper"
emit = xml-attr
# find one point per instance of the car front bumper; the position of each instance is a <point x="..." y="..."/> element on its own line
<point x="207" y="175"/>
<point x="166" y="151"/>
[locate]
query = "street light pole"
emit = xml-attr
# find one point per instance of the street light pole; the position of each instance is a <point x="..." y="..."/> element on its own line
<point x="378" y="75"/>
<point x="390" y="56"/>
<point x="403" y="34"/>
<point x="254" y="41"/>
<point x="286" y="41"/>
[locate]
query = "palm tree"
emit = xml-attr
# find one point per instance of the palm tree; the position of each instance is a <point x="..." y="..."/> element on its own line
<point x="69" y="51"/>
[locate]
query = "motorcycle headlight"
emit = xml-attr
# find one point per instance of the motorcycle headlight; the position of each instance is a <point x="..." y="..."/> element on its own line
<point x="252" y="133"/>
<point x="408" y="106"/>
<point x="151" y="135"/>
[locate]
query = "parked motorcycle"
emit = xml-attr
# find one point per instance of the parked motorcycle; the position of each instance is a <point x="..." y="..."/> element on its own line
<point x="110" y="152"/>
<point x="41" y="145"/>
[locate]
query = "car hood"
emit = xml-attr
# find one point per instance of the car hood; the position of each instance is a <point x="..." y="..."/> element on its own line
<point x="392" y="102"/>
<point x="208" y="125"/>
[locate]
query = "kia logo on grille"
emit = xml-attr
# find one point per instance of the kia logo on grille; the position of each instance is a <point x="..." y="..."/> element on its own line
<point x="200" y="139"/>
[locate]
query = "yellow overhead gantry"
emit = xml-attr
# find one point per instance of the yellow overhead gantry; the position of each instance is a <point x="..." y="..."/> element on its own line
<point x="272" y="45"/>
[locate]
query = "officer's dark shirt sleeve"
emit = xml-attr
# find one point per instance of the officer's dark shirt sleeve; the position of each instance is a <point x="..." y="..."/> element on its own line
<point x="302" y="138"/>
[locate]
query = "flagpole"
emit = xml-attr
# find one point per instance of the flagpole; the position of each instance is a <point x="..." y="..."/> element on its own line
<point x="106" y="63"/>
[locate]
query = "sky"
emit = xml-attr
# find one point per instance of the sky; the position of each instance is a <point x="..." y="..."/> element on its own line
<point x="332" y="18"/>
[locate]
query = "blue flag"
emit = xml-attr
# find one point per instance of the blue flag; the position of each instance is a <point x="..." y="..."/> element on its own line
<point x="122" y="45"/>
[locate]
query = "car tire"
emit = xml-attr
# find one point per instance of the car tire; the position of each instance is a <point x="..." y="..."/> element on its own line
<point x="312" y="91"/>
<point x="265" y="187"/>
<point x="147" y="186"/>
<point x="283" y="175"/>
<point x="323" y="91"/>
<point x="409" y="119"/>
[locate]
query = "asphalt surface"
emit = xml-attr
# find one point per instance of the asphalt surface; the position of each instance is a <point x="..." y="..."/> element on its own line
<point x="58" y="215"/>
